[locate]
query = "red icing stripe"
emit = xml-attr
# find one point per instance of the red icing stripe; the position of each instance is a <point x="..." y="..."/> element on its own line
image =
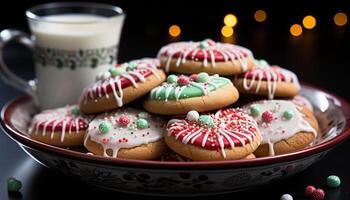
<point x="200" y="56"/>
<point x="250" y="74"/>
<point x="70" y="125"/>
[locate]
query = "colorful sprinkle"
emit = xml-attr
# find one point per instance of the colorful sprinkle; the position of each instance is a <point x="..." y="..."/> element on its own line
<point x="13" y="185"/>
<point x="183" y="80"/>
<point x="254" y="111"/>
<point x="206" y="120"/>
<point x="104" y="127"/>
<point x="193" y="77"/>
<point x="116" y="71"/>
<point x="131" y="66"/>
<point x="318" y="194"/>
<point x="203" y="45"/>
<point x="172" y="78"/>
<point x="309" y="190"/>
<point x="267" y="116"/>
<point x="132" y="127"/>
<point x="124" y="120"/>
<point x="333" y="181"/>
<point x="142" y="123"/>
<point x="143" y="115"/>
<point x="202" y="77"/>
<point x="288" y="114"/>
<point x="192" y="115"/>
<point x="75" y="111"/>
<point x="286" y="197"/>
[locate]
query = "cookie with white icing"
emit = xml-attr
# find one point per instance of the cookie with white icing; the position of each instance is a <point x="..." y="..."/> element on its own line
<point x="228" y="134"/>
<point x="284" y="127"/>
<point x="64" y="127"/>
<point x="120" y="85"/>
<point x="126" y="133"/>
<point x="200" y="92"/>
<point x="205" y="56"/>
<point x="271" y="81"/>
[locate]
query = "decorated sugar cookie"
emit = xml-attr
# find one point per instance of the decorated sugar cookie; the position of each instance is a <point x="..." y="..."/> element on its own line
<point x="200" y="92"/>
<point x="205" y="56"/>
<point x="284" y="127"/>
<point x="126" y="133"/>
<point x="120" y="85"/>
<point x="266" y="80"/>
<point x="227" y="134"/>
<point x="64" y="127"/>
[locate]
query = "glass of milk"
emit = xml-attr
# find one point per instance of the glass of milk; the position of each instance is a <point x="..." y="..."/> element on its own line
<point x="72" y="42"/>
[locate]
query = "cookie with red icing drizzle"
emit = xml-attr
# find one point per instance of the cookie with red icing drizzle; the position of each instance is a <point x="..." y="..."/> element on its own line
<point x="120" y="85"/>
<point x="205" y="56"/>
<point x="64" y="127"/>
<point x="225" y="135"/>
<point x="271" y="81"/>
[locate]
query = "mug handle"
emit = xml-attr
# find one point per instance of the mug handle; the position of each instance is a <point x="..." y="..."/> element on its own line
<point x="6" y="74"/>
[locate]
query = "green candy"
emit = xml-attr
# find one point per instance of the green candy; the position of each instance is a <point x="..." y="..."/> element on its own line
<point x="206" y="120"/>
<point x="288" y="114"/>
<point x="202" y="77"/>
<point x="131" y="66"/>
<point x="203" y="45"/>
<point x="143" y="115"/>
<point x="75" y="111"/>
<point x="132" y="127"/>
<point x="172" y="79"/>
<point x="142" y="123"/>
<point x="333" y="181"/>
<point x="116" y="71"/>
<point x="254" y="111"/>
<point x="13" y="185"/>
<point x="104" y="127"/>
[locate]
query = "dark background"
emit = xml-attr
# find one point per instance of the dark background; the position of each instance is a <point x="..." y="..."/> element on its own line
<point x="319" y="56"/>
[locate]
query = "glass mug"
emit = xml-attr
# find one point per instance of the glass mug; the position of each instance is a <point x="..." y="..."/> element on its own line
<point x="72" y="42"/>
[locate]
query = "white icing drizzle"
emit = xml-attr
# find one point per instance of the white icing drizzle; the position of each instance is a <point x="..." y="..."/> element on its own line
<point x="229" y="124"/>
<point x="48" y="120"/>
<point x="279" y="128"/>
<point x="121" y="136"/>
<point x="99" y="88"/>
<point x="230" y="52"/>
<point x="272" y="75"/>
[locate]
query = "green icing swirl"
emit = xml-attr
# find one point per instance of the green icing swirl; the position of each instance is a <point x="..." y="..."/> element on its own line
<point x="173" y="91"/>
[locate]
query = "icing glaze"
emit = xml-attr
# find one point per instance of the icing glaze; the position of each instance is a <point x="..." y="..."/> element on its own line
<point x="280" y="127"/>
<point x="174" y="91"/>
<point x="204" y="51"/>
<point x="302" y="101"/>
<point x="129" y="74"/>
<point x="231" y="128"/>
<point x="121" y="135"/>
<point x="63" y="120"/>
<point x="271" y="74"/>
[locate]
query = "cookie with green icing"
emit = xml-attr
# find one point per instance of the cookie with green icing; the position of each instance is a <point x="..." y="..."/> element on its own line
<point x="200" y="92"/>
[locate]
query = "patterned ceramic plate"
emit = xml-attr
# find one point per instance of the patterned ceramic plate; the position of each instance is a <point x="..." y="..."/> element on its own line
<point x="182" y="178"/>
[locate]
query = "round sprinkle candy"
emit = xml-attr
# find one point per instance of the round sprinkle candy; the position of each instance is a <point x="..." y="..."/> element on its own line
<point x="183" y="80"/>
<point x="309" y="190"/>
<point x="206" y="120"/>
<point x="318" y="194"/>
<point x="104" y="127"/>
<point x="193" y="77"/>
<point x="254" y="111"/>
<point x="203" y="45"/>
<point x="143" y="115"/>
<point x="13" y="185"/>
<point x="267" y="116"/>
<point x="333" y="181"/>
<point x="286" y="197"/>
<point x="202" y="77"/>
<point x="172" y="78"/>
<point x="142" y="123"/>
<point x="124" y="120"/>
<point x="116" y="71"/>
<point x="75" y="111"/>
<point x="192" y="115"/>
<point x="131" y="66"/>
<point x="288" y="114"/>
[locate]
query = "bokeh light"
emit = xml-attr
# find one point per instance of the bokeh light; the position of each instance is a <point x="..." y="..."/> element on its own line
<point x="230" y="20"/>
<point x="296" y="30"/>
<point x="309" y="22"/>
<point x="340" y="19"/>
<point x="174" y="30"/>
<point x="260" y="15"/>
<point x="227" y="31"/>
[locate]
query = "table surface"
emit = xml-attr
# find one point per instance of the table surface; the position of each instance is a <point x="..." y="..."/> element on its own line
<point x="42" y="183"/>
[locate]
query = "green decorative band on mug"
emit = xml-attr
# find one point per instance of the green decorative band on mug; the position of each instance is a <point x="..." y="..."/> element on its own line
<point x="74" y="58"/>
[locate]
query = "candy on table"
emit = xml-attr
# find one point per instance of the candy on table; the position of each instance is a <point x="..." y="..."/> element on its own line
<point x="13" y="185"/>
<point x="318" y="194"/>
<point x="333" y="181"/>
<point x="286" y="197"/>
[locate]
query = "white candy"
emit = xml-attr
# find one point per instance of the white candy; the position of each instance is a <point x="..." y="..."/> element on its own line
<point x="286" y="197"/>
<point x="192" y="115"/>
<point x="106" y="75"/>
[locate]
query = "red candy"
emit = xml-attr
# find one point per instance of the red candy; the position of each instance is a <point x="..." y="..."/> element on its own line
<point x="267" y="116"/>
<point x="183" y="80"/>
<point x="309" y="190"/>
<point x="124" y="120"/>
<point x="193" y="77"/>
<point x="318" y="194"/>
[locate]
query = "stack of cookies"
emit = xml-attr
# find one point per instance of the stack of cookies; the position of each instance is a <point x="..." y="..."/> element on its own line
<point x="187" y="111"/>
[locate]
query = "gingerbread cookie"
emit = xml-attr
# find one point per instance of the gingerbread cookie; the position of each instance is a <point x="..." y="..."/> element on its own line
<point x="120" y="85"/>
<point x="268" y="81"/>
<point x="64" y="127"/>
<point x="126" y="133"/>
<point x="206" y="56"/>
<point x="284" y="127"/>
<point x="181" y="94"/>
<point x="227" y="134"/>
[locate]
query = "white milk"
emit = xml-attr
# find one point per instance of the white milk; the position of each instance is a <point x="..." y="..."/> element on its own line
<point x="69" y="34"/>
